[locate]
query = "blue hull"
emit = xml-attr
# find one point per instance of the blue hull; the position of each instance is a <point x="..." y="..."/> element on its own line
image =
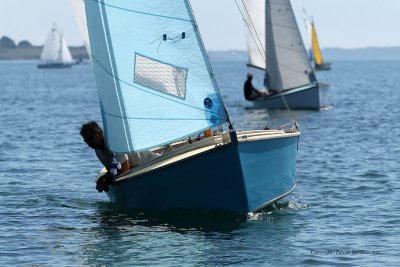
<point x="308" y="97"/>
<point x="239" y="176"/>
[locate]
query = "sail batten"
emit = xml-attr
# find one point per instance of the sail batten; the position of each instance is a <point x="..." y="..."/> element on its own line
<point x="154" y="83"/>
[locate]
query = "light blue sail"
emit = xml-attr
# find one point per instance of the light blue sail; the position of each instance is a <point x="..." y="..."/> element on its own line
<point x="154" y="79"/>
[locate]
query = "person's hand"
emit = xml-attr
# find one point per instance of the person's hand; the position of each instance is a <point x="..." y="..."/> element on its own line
<point x="99" y="184"/>
<point x="103" y="182"/>
<point x="108" y="178"/>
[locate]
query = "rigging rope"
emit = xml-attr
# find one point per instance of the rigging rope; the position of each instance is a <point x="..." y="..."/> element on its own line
<point x="263" y="55"/>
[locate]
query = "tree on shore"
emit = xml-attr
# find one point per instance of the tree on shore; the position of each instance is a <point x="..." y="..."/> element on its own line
<point x="7" y="42"/>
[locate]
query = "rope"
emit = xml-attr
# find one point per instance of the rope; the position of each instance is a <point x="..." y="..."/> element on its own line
<point x="175" y="39"/>
<point x="264" y="58"/>
<point x="207" y="60"/>
<point x="259" y="43"/>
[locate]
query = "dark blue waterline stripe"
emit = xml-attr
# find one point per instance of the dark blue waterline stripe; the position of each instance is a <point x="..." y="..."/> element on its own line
<point x="131" y="85"/>
<point x="140" y="12"/>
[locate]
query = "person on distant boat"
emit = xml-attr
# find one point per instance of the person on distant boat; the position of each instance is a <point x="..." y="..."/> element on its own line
<point x="114" y="163"/>
<point x="251" y="93"/>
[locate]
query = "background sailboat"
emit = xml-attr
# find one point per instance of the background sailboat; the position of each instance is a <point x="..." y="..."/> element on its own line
<point x="156" y="87"/>
<point x="55" y="52"/>
<point x="275" y="45"/>
<point x="315" y="51"/>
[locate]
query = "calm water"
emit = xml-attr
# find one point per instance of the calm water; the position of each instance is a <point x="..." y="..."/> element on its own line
<point x="344" y="210"/>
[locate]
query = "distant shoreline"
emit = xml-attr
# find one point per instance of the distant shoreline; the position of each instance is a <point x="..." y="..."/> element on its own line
<point x="33" y="52"/>
<point x="25" y="51"/>
<point x="329" y="54"/>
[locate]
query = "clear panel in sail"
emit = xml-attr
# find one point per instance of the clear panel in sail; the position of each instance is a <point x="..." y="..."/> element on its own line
<point x="288" y="65"/>
<point x="160" y="76"/>
<point x="177" y="98"/>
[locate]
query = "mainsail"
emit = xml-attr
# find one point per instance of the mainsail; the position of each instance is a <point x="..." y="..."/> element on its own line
<point x="154" y="79"/>
<point x="275" y="30"/>
<point x="51" y="48"/>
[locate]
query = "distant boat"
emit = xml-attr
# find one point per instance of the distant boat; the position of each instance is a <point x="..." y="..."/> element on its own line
<point x="315" y="51"/>
<point x="156" y="87"/>
<point x="55" y="52"/>
<point x="275" y="45"/>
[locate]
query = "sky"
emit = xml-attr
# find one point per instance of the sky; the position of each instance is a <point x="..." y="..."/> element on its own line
<point x="340" y="23"/>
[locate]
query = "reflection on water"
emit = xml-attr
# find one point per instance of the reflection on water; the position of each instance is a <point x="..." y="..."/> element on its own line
<point x="151" y="237"/>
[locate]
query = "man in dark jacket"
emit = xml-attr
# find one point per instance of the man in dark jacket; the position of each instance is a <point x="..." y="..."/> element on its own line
<point x="251" y="93"/>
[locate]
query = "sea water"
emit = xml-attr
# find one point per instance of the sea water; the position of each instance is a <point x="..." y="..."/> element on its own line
<point x="344" y="210"/>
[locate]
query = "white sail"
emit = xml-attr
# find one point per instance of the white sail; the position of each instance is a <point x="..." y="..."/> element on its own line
<point x="255" y="33"/>
<point x="287" y="64"/>
<point x="308" y="29"/>
<point x="66" y="56"/>
<point x="78" y="8"/>
<point x="51" y="48"/>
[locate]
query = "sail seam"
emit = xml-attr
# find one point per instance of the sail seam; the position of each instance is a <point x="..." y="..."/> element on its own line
<point x="166" y="119"/>
<point x="286" y="47"/>
<point x="140" y="12"/>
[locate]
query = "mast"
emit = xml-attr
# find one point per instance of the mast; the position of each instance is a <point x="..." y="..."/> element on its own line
<point x="61" y="48"/>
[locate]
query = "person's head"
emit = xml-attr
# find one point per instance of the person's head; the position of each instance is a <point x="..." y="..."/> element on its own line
<point x="92" y="135"/>
<point x="249" y="76"/>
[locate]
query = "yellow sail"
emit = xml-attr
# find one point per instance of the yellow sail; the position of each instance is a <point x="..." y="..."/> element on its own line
<point x="315" y="46"/>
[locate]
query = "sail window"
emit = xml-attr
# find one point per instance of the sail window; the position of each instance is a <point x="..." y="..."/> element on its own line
<point x="160" y="76"/>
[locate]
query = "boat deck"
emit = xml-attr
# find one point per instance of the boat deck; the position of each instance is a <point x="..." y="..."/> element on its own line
<point x="182" y="150"/>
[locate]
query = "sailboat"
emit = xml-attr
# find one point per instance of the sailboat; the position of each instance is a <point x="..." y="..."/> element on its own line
<point x="319" y="63"/>
<point x="156" y="89"/>
<point x="55" y="52"/>
<point x="315" y="51"/>
<point x="275" y="45"/>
